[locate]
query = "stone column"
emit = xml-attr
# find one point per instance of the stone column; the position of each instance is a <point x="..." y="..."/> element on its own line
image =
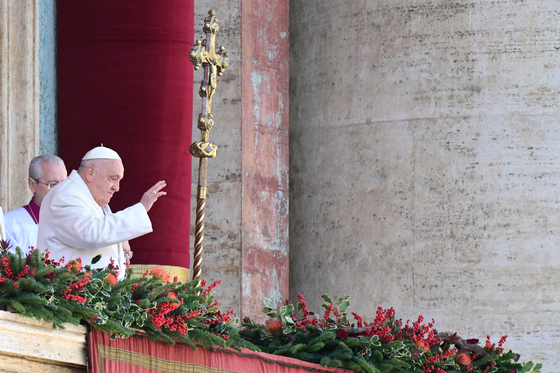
<point x="265" y="80"/>
<point x="19" y="98"/>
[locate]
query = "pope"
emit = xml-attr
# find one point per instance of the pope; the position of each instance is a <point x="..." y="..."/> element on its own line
<point x="75" y="218"/>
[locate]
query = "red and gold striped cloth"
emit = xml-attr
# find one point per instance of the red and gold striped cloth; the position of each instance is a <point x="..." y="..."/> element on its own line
<point x="141" y="355"/>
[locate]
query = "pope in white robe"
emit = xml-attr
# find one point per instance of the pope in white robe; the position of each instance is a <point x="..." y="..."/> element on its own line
<point x="75" y="218"/>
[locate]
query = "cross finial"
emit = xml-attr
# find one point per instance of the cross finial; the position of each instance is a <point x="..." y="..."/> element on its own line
<point x="204" y="54"/>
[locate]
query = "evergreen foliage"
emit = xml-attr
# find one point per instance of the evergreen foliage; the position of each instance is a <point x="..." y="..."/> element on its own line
<point x="383" y="346"/>
<point x="162" y="310"/>
<point x="169" y="311"/>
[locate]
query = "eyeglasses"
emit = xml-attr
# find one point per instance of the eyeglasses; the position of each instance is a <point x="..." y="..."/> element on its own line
<point x="49" y="185"/>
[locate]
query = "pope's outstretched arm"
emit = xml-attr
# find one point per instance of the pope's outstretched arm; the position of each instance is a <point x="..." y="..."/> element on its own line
<point x="80" y="228"/>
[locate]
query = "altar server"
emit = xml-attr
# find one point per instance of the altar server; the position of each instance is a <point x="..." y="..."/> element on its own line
<point x="45" y="172"/>
<point x="76" y="221"/>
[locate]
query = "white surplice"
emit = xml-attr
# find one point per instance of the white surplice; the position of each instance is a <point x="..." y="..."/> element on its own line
<point x="2" y="226"/>
<point x="21" y="229"/>
<point x="73" y="225"/>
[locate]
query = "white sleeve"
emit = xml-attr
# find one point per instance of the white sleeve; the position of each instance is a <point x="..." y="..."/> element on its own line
<point x="77" y="226"/>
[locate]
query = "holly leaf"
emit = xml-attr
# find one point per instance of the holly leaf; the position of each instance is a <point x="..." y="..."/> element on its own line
<point x="287" y="310"/>
<point x="343" y="303"/>
<point x="96" y="259"/>
<point x="270" y="312"/>
<point x="128" y="320"/>
<point x="269" y="303"/>
<point x="288" y="319"/>
<point x="527" y="367"/>
<point x="343" y="306"/>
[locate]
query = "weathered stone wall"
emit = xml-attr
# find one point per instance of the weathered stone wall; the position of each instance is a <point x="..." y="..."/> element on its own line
<point x="425" y="163"/>
<point x="246" y="231"/>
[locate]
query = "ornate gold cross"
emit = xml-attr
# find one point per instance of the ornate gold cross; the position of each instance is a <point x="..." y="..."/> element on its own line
<point x="204" y="54"/>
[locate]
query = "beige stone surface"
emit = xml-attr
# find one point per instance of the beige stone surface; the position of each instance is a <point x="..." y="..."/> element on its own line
<point x="425" y="163"/>
<point x="36" y="341"/>
<point x="19" y="98"/>
<point x="11" y="364"/>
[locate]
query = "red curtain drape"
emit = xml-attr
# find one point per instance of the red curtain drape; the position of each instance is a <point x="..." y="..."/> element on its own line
<point x="140" y="355"/>
<point x="125" y="80"/>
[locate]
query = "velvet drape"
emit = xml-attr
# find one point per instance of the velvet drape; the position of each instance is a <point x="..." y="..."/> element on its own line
<point x="125" y="81"/>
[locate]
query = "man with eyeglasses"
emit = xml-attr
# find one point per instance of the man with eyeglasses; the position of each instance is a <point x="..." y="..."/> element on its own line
<point x="76" y="221"/>
<point x="45" y="171"/>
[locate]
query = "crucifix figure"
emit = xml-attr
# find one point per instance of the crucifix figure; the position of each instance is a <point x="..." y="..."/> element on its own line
<point x="204" y="54"/>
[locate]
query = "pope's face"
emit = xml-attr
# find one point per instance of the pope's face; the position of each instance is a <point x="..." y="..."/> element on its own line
<point x="52" y="174"/>
<point x="104" y="180"/>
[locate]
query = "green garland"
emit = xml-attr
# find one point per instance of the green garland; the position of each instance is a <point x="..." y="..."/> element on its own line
<point x="169" y="311"/>
<point x="384" y="346"/>
<point x="164" y="311"/>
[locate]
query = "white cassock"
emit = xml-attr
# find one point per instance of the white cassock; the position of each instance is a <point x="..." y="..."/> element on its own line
<point x="21" y="229"/>
<point x="2" y="227"/>
<point x="73" y="225"/>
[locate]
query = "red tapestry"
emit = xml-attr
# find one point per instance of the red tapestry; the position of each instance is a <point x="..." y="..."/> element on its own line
<point x="140" y="355"/>
<point x="125" y="80"/>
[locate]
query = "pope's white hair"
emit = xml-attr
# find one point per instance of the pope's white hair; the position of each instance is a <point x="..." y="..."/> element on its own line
<point x="85" y="164"/>
<point x="35" y="170"/>
<point x="96" y="162"/>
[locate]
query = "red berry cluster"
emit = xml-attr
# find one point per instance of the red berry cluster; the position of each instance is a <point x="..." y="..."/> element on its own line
<point x="159" y="314"/>
<point x="302" y="305"/>
<point x="211" y="287"/>
<point x="359" y="320"/>
<point x="113" y="267"/>
<point x="491" y="348"/>
<point x="49" y="261"/>
<point x="163" y="317"/>
<point x="75" y="288"/>
<point x="223" y="336"/>
<point x="427" y="367"/>
<point x="218" y="318"/>
<point x="380" y="326"/>
<point x="9" y="274"/>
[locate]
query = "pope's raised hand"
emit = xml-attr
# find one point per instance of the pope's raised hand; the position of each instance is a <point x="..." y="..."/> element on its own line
<point x="153" y="194"/>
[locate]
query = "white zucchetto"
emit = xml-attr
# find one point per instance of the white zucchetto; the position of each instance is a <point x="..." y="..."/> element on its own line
<point x="101" y="152"/>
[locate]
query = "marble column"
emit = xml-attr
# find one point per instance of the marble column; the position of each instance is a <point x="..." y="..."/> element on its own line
<point x="19" y="98"/>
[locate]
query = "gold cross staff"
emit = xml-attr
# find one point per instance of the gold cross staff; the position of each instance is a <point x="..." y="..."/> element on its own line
<point x="204" y="54"/>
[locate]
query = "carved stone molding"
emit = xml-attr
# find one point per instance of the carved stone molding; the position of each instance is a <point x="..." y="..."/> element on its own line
<point x="29" y="345"/>
<point x="19" y="98"/>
